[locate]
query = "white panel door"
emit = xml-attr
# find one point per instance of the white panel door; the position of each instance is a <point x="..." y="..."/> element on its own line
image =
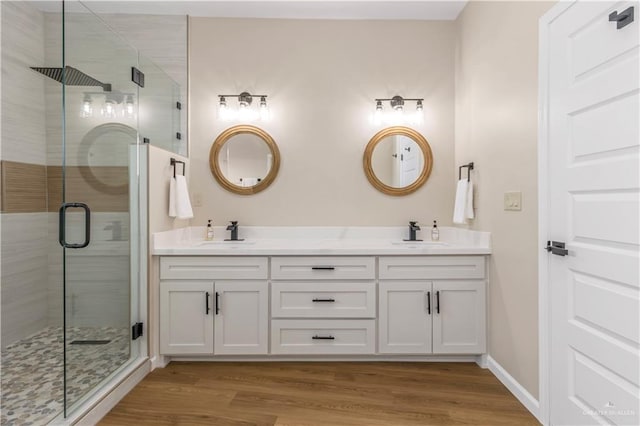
<point x="404" y="325"/>
<point x="242" y="317"/>
<point x="186" y="317"/>
<point x="410" y="160"/>
<point x="593" y="188"/>
<point x="459" y="317"/>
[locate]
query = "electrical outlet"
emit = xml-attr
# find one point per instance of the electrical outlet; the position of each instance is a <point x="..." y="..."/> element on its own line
<point x="197" y="199"/>
<point x="513" y="201"/>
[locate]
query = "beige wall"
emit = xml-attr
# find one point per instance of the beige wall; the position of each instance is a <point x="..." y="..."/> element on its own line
<point x="496" y="127"/>
<point x="322" y="78"/>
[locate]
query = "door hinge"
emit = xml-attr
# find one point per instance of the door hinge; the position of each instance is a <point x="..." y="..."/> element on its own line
<point x="137" y="76"/>
<point x="557" y="248"/>
<point x="178" y="135"/>
<point x="623" y="18"/>
<point x="136" y="331"/>
<point x="178" y="105"/>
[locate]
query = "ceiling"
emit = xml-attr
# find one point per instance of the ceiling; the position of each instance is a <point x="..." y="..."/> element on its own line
<point x="292" y="9"/>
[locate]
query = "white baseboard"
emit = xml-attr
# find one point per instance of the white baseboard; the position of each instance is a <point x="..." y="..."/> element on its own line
<point x="159" y="361"/>
<point x="103" y="406"/>
<point x="514" y="387"/>
<point x="481" y="360"/>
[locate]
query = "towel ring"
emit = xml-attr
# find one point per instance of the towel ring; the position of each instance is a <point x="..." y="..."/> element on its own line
<point x="469" y="167"/>
<point x="173" y="163"/>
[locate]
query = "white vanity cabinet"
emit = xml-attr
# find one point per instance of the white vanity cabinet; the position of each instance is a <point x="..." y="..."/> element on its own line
<point x="323" y="305"/>
<point x="214" y="305"/>
<point x="432" y="304"/>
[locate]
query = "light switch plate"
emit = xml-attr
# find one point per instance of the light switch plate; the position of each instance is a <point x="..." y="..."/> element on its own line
<point x="513" y="200"/>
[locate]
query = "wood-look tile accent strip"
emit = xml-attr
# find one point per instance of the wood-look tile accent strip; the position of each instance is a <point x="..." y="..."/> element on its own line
<point x="24" y="187"/>
<point x="104" y="189"/>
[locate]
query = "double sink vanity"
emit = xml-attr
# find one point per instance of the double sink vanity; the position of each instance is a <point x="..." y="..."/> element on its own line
<point x="335" y="292"/>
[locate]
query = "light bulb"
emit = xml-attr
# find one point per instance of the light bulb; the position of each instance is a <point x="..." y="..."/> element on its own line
<point x="109" y="109"/>
<point x="87" y="109"/>
<point x="223" y="110"/>
<point x="129" y="108"/>
<point x="264" y="109"/>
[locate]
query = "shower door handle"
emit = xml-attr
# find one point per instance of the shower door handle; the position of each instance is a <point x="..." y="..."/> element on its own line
<point x="63" y="220"/>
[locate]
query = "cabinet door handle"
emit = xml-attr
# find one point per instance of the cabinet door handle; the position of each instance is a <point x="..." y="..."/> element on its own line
<point x="438" y="302"/>
<point x="206" y="304"/>
<point x="323" y="268"/>
<point x="323" y="338"/>
<point x="323" y="300"/>
<point x="429" y="302"/>
<point x="217" y="303"/>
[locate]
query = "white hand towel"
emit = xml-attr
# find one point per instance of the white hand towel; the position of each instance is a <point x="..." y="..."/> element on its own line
<point x="172" y="197"/>
<point x="183" y="204"/>
<point x="468" y="210"/>
<point x="459" y="209"/>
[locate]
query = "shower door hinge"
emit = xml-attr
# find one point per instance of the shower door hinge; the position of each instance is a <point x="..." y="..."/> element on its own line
<point x="136" y="331"/>
<point x="178" y="105"/>
<point x="179" y="136"/>
<point x="137" y="76"/>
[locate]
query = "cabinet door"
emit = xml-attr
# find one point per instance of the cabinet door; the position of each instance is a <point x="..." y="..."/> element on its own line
<point x="459" y="317"/>
<point x="405" y="323"/>
<point x="242" y="317"/>
<point x="186" y="325"/>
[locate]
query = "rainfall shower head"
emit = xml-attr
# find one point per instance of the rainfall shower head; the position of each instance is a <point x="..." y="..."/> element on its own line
<point x="72" y="77"/>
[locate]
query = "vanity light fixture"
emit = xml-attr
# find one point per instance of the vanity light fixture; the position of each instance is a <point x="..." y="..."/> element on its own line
<point x="245" y="112"/>
<point x="398" y="114"/>
<point x="114" y="104"/>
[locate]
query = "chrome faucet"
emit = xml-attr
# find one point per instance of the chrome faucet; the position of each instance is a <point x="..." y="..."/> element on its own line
<point x="234" y="231"/>
<point x="413" y="228"/>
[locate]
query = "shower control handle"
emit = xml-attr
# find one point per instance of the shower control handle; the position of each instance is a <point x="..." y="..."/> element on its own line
<point x="62" y="216"/>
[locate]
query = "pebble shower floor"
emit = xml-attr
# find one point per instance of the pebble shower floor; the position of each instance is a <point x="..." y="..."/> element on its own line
<point x="32" y="371"/>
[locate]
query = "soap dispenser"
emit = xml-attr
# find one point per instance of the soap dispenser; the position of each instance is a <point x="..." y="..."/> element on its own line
<point x="209" y="235"/>
<point x="435" y="232"/>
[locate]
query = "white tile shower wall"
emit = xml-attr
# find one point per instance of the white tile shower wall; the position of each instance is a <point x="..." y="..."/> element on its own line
<point x="24" y="268"/>
<point x="24" y="275"/>
<point x="98" y="280"/>
<point x="23" y="106"/>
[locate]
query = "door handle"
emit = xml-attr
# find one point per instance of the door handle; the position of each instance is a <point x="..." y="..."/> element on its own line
<point x="429" y="302"/>
<point x="557" y="248"/>
<point x="207" y="308"/>
<point x="62" y="217"/>
<point x="217" y="303"/>
<point x="437" y="302"/>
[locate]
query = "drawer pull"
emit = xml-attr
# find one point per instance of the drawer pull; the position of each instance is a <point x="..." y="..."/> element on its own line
<point x="323" y="300"/>
<point x="323" y="268"/>
<point x="323" y="338"/>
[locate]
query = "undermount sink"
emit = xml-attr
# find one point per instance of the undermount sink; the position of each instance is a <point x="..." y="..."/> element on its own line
<point x="227" y="243"/>
<point x="419" y="243"/>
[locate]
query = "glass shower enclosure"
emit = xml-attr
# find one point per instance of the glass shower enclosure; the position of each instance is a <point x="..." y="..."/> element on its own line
<point x="103" y="102"/>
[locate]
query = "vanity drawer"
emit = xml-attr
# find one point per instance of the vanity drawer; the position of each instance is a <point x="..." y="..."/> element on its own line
<point x="323" y="337"/>
<point x="323" y="299"/>
<point x="213" y="267"/>
<point x="431" y="267"/>
<point x="323" y="268"/>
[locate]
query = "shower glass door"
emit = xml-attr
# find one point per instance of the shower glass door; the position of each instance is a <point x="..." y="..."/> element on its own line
<point x="99" y="202"/>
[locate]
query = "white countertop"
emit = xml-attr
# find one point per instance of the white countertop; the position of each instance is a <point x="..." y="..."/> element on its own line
<point x="319" y="241"/>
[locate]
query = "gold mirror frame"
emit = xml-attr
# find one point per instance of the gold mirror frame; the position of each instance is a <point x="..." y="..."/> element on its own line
<point x="219" y="143"/>
<point x="426" y="153"/>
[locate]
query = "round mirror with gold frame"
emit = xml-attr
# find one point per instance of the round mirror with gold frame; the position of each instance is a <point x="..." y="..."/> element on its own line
<point x="397" y="160"/>
<point x="244" y="159"/>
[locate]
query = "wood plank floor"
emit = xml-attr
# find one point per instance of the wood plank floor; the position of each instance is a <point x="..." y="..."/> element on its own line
<point x="315" y="393"/>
